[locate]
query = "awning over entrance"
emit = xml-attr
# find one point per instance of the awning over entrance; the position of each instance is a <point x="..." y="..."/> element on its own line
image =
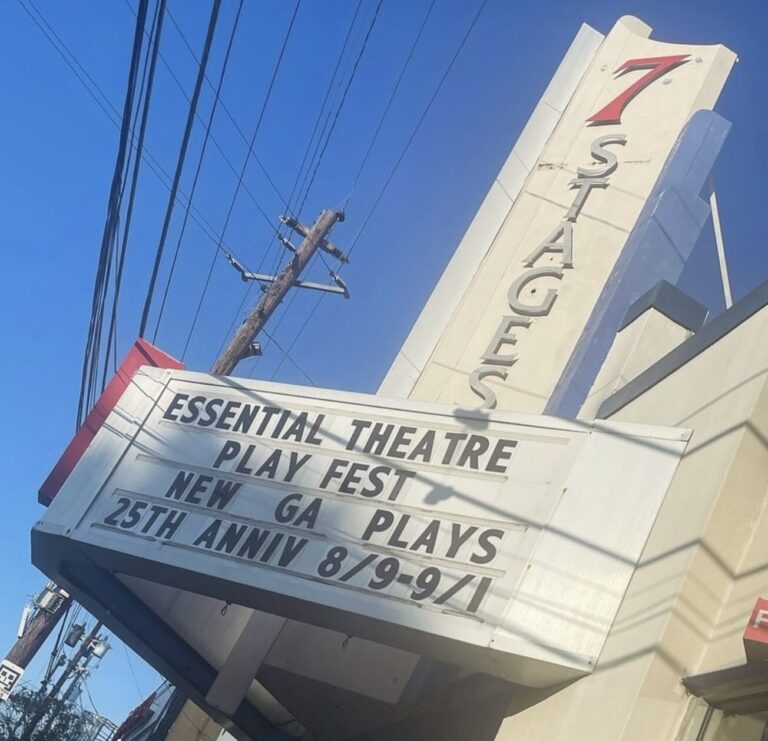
<point x="740" y="690"/>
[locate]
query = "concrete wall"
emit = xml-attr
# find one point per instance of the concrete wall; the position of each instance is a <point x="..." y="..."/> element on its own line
<point x="704" y="564"/>
<point x="193" y="725"/>
<point x="527" y="201"/>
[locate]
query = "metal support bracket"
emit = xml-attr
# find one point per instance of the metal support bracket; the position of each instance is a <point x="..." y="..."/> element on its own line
<point x="325" y="245"/>
<point x="340" y="288"/>
<point x="727" y="295"/>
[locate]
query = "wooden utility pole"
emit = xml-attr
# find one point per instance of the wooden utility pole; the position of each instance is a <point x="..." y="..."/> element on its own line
<point x="86" y="646"/>
<point x="240" y="347"/>
<point x="44" y="621"/>
<point x="50" y="605"/>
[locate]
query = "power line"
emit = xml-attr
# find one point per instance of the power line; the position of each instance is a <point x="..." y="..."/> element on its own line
<point x="113" y="115"/>
<point x="213" y="139"/>
<point x="199" y="166"/>
<point x="180" y="163"/>
<point x="394" y="168"/>
<point x="292" y="209"/>
<point x="110" y="111"/>
<point x="133" y="673"/>
<point x="286" y="354"/>
<point x="341" y="104"/>
<point x="90" y="698"/>
<point x="319" y="117"/>
<point x="87" y="383"/>
<point x="242" y="175"/>
<point x="322" y="153"/>
<point x="57" y="644"/>
<point x="328" y="115"/>
<point x="376" y="133"/>
<point x="232" y="119"/>
<point x="223" y="154"/>
<point x="56" y="42"/>
<point x="417" y="127"/>
<point x="392" y="95"/>
<point x="331" y="82"/>
<point x="149" y="78"/>
<point x="252" y="141"/>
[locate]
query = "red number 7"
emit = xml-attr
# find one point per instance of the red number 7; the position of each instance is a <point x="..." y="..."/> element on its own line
<point x="656" y="66"/>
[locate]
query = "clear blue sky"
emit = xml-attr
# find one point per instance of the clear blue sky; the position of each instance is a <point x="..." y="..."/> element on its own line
<point x="58" y="155"/>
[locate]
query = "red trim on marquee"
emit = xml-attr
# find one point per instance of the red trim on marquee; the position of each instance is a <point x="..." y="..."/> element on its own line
<point x="142" y="353"/>
<point x="657" y="66"/>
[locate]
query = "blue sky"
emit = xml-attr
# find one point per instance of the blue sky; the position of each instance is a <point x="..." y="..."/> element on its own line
<point x="59" y="151"/>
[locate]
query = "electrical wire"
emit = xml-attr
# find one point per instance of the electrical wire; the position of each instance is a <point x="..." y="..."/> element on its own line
<point x="133" y="673"/>
<point x="113" y="116"/>
<point x="394" y="169"/>
<point x="331" y="82"/>
<point x="111" y="112"/>
<point x="361" y="167"/>
<point x="392" y="95"/>
<point x="213" y="139"/>
<point x="55" y="41"/>
<point x="275" y="72"/>
<point x="231" y="117"/>
<point x="149" y="159"/>
<point x="90" y="698"/>
<point x="57" y="645"/>
<point x="328" y="114"/>
<point x="319" y="160"/>
<point x="109" y="260"/>
<point x="203" y="148"/>
<point x="286" y="354"/>
<point x="148" y="81"/>
<point x="263" y="110"/>
<point x="424" y="113"/>
<point x="341" y="104"/>
<point x="180" y="164"/>
<point x="90" y="359"/>
<point x="293" y="210"/>
<point x="290" y="210"/>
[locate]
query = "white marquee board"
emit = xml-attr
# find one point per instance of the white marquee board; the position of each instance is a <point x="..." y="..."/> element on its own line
<point x="469" y="334"/>
<point x="473" y="535"/>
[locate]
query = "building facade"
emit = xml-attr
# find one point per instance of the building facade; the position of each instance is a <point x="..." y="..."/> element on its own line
<point x="561" y="300"/>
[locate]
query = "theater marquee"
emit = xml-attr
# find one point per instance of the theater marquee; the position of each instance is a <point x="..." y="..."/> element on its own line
<point x="468" y="534"/>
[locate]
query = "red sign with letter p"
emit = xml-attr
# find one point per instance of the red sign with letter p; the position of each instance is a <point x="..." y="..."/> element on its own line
<point x="756" y="634"/>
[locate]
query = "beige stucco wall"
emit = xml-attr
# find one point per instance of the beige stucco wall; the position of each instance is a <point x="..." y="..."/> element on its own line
<point x="735" y="728"/>
<point x="704" y="565"/>
<point x="635" y="348"/>
<point x="193" y="725"/>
